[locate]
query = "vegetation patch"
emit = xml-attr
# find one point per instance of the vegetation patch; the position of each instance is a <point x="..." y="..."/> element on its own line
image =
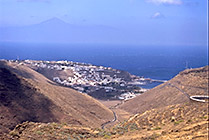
<point x="178" y="122"/>
<point x="157" y="128"/>
<point x="154" y="136"/>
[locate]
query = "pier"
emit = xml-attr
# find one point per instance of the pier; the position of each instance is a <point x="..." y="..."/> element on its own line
<point x="161" y="81"/>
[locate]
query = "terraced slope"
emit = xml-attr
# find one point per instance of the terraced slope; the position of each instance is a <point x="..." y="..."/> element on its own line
<point x="28" y="96"/>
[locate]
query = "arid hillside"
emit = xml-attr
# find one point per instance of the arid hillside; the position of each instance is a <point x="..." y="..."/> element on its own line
<point x="167" y="112"/>
<point x="175" y="122"/>
<point x="26" y="95"/>
<point x="163" y="113"/>
<point x="191" y="81"/>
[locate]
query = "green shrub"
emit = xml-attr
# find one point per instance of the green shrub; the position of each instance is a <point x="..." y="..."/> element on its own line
<point x="106" y="136"/>
<point x="157" y="128"/>
<point x="189" y="121"/>
<point x="39" y="132"/>
<point x="13" y="133"/>
<point x="178" y="122"/>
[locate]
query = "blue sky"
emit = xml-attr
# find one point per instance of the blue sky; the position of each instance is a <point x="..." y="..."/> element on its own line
<point x="161" y="22"/>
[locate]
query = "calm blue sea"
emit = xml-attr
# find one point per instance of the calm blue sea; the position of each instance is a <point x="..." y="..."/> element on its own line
<point x="149" y="61"/>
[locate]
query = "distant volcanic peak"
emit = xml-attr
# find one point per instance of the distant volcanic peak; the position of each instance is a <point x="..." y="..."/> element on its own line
<point x="54" y="20"/>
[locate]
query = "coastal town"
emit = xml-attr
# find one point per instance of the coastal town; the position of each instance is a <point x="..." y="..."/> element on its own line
<point x="100" y="82"/>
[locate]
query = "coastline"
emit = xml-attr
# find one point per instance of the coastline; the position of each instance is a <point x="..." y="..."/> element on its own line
<point x="102" y="83"/>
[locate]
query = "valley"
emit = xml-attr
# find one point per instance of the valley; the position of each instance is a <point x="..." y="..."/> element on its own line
<point x="104" y="70"/>
<point x="35" y="105"/>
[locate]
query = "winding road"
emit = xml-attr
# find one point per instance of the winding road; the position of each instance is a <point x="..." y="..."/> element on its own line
<point x="115" y="118"/>
<point x="172" y="85"/>
<point x="114" y="114"/>
<point x="198" y="98"/>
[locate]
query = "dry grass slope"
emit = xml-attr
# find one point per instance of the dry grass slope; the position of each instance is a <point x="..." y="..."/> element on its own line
<point x="162" y="113"/>
<point x="193" y="82"/>
<point x="28" y="96"/>
<point x="182" y="121"/>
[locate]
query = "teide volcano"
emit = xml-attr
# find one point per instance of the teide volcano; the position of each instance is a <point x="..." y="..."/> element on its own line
<point x="56" y="30"/>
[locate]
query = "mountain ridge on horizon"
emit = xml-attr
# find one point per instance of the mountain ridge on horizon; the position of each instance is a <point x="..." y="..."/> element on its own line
<point x="55" y="30"/>
<point x="53" y="19"/>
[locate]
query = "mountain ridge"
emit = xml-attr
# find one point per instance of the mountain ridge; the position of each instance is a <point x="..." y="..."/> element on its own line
<point x="66" y="105"/>
<point x="162" y="113"/>
<point x="55" y="30"/>
<point x="189" y="81"/>
<point x="54" y="20"/>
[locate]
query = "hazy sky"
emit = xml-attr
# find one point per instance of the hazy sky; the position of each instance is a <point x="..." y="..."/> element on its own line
<point x="183" y="22"/>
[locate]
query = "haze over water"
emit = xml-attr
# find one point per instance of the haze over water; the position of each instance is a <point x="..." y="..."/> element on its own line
<point x="148" y="61"/>
<point x="151" y="38"/>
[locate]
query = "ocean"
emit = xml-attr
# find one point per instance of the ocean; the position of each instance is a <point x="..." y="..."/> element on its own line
<point x="156" y="62"/>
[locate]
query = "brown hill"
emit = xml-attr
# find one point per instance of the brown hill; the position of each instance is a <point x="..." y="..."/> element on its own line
<point x="175" y="122"/>
<point x="183" y="119"/>
<point x="26" y="95"/>
<point x="191" y="81"/>
<point x="166" y="112"/>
